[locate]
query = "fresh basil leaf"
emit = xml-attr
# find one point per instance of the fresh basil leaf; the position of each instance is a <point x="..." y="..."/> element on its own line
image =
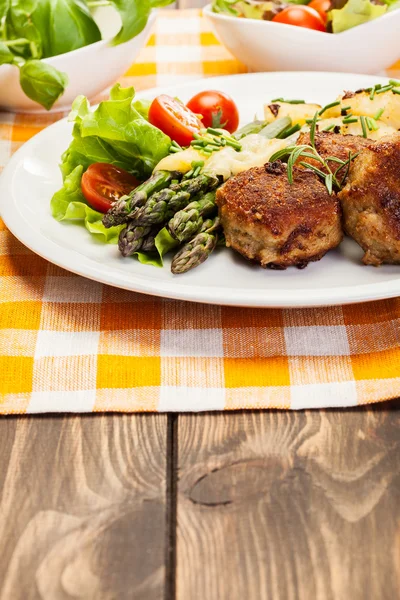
<point x="42" y="83"/>
<point x="134" y="16"/>
<point x="65" y="25"/>
<point x="19" y="24"/>
<point x="6" y="56"/>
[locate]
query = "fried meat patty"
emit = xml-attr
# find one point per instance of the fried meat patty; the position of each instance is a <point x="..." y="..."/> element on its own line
<point x="334" y="144"/>
<point x="371" y="201"/>
<point x="276" y="223"/>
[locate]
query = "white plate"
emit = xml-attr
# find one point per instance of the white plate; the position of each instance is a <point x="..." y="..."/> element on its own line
<point x="32" y="176"/>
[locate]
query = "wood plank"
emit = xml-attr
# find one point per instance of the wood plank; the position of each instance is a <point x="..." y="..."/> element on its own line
<point x="82" y="507"/>
<point x="289" y="506"/>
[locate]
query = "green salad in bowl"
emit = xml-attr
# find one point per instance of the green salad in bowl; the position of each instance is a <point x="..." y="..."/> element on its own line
<point x="332" y="16"/>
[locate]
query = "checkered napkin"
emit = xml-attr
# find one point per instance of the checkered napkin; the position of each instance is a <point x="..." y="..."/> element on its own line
<point x="70" y="344"/>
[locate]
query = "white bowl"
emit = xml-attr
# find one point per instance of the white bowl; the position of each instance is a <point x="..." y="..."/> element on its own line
<point x="268" y="46"/>
<point x="90" y="69"/>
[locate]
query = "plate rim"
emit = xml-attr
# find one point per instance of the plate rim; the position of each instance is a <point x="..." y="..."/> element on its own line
<point x="84" y="266"/>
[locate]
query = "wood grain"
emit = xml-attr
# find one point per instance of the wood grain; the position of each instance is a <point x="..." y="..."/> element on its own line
<point x="288" y="506"/>
<point x="82" y="507"/>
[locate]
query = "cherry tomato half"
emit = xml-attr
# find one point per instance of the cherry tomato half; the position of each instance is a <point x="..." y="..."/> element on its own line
<point x="174" y="119"/>
<point x="102" y="184"/>
<point x="217" y="109"/>
<point x="302" y="16"/>
<point x="322" y="7"/>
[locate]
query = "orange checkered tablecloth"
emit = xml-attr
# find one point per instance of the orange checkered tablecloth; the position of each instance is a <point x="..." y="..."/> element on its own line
<point x="70" y="344"/>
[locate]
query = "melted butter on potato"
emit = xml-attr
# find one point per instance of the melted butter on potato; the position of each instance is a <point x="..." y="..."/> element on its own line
<point x="299" y="113"/>
<point x="354" y="128"/>
<point x="361" y="104"/>
<point x="256" y="151"/>
<point x="180" y="161"/>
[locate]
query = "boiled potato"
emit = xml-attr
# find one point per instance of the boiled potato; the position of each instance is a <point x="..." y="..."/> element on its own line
<point x="354" y="128"/>
<point x="361" y="104"/>
<point x="180" y="161"/>
<point x="299" y="113"/>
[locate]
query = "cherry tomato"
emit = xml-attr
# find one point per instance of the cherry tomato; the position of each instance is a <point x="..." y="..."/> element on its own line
<point x="302" y="16"/>
<point x="217" y="109"/>
<point x="322" y="7"/>
<point x="102" y="184"/>
<point x="174" y="119"/>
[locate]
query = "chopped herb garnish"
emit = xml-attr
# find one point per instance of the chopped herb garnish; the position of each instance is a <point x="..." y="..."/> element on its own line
<point x="213" y="140"/>
<point x="371" y="124"/>
<point x="383" y="89"/>
<point x="363" y="127"/>
<point x="175" y="147"/>
<point x="214" y="131"/>
<point x="396" y="91"/>
<point x="394" y="82"/>
<point x="289" y="101"/>
<point x="378" y="115"/>
<point x="344" y="110"/>
<point x="350" y="120"/>
<point x="330" y="127"/>
<point x="331" y="105"/>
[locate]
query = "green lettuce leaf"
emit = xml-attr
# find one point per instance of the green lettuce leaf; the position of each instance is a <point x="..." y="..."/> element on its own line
<point x="143" y="107"/>
<point x="355" y="12"/>
<point x="68" y="204"/>
<point x="165" y="242"/>
<point x="115" y="133"/>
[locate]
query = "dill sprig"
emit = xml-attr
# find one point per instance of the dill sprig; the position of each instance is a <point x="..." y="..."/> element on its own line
<point x="331" y="179"/>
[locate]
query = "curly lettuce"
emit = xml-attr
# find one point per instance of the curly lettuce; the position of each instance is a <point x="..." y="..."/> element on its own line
<point x="115" y="133"/>
<point x="118" y="133"/>
<point x="69" y="204"/>
<point x="354" y="13"/>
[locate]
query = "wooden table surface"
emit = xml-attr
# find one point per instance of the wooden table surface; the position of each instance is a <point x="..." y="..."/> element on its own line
<point x="246" y="505"/>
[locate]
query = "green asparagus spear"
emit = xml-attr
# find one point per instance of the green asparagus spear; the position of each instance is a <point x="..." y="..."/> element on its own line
<point x="198" y="249"/>
<point x="135" y="237"/>
<point x="131" y="238"/>
<point x="188" y="221"/>
<point x="149" y="242"/>
<point x="119" y="213"/>
<point x="166" y="203"/>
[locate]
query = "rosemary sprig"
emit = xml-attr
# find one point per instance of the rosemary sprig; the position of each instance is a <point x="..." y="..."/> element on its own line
<point x="295" y="153"/>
